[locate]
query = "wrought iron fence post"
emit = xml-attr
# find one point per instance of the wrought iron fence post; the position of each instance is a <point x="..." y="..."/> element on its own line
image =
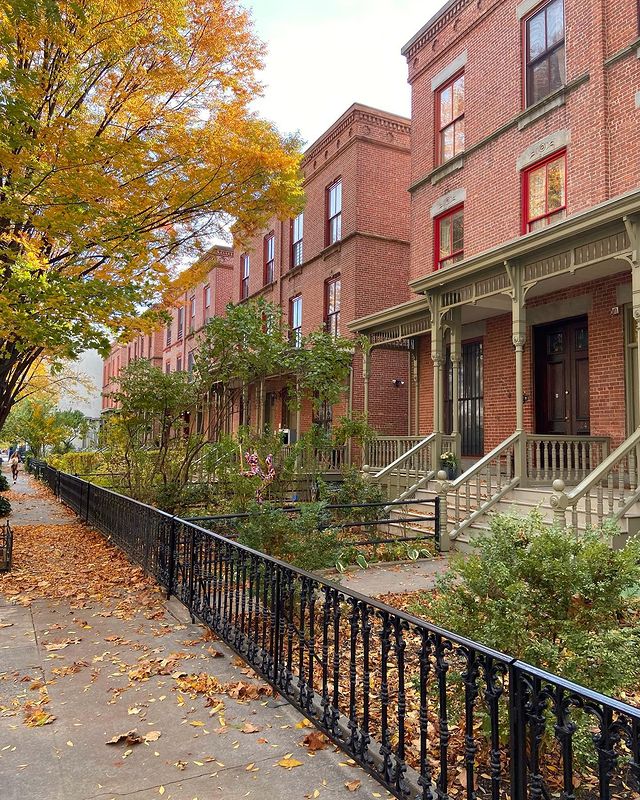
<point x="58" y="494"/>
<point x="192" y="572"/>
<point x="88" y="499"/>
<point x="517" y="736"/>
<point x="172" y="556"/>
<point x="276" y="623"/>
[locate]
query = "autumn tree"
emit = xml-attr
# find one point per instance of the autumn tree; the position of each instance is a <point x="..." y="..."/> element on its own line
<point x="126" y="143"/>
<point x="41" y="425"/>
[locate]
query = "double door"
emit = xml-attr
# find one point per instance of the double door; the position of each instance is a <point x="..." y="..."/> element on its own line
<point x="562" y="378"/>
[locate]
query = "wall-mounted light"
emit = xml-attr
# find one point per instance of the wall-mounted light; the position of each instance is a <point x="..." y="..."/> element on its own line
<point x="397" y="382"/>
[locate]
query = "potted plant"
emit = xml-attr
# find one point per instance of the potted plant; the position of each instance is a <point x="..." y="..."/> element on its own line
<point x="449" y="463"/>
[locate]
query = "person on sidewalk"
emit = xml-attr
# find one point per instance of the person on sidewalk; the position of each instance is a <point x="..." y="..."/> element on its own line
<point x="15" y="461"/>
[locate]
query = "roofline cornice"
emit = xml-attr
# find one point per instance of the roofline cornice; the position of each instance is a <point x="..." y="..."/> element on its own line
<point x="430" y="30"/>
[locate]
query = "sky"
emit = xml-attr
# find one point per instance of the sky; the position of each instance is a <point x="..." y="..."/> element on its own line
<point x="324" y="55"/>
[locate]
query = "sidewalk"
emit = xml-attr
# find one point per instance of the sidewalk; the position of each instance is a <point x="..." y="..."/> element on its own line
<point x="89" y="651"/>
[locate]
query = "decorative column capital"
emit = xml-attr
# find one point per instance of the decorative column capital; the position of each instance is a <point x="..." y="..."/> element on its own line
<point x="519" y="340"/>
<point x="438" y="359"/>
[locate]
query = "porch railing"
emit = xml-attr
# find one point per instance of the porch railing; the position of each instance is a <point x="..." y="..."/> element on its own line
<point x="329" y="459"/>
<point x="384" y="450"/>
<point x="478" y="489"/>
<point x="607" y="493"/>
<point x="428" y="713"/>
<point x="571" y="458"/>
<point x="412" y="470"/>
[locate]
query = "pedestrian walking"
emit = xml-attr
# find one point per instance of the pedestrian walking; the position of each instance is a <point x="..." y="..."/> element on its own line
<point x="15" y="461"/>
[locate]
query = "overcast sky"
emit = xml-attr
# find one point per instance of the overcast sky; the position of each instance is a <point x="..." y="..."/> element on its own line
<point x="325" y="55"/>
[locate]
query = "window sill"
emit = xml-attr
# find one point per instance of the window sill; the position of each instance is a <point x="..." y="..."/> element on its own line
<point x="330" y="249"/>
<point x="534" y="112"/>
<point x="441" y="172"/>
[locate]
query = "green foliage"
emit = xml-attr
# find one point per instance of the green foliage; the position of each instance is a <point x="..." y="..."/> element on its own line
<point x="293" y="537"/>
<point x="5" y="507"/>
<point x="564" y="603"/>
<point x="4" y="483"/>
<point x="83" y="462"/>
<point x="41" y="425"/>
<point x="354" y="428"/>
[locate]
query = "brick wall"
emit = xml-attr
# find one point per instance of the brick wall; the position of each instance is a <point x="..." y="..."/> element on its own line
<point x="603" y="155"/>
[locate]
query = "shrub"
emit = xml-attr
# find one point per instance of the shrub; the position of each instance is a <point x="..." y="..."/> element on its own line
<point x="83" y="462"/>
<point x="5" y="507"/>
<point x="4" y="483"/>
<point x="352" y="490"/>
<point x="565" y="603"/>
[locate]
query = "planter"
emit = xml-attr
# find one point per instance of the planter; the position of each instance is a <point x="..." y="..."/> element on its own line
<point x="452" y="471"/>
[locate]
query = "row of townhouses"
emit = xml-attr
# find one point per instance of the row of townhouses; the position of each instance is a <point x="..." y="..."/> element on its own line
<point x="488" y="248"/>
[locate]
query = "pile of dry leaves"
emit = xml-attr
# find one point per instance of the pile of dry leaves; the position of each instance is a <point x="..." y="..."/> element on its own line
<point x="76" y="564"/>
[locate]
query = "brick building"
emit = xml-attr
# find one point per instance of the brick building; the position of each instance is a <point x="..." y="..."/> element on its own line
<point x="525" y="208"/>
<point x="345" y="256"/>
<point x="172" y="347"/>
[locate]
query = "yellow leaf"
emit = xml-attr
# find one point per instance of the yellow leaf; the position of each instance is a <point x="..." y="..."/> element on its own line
<point x="289" y="763"/>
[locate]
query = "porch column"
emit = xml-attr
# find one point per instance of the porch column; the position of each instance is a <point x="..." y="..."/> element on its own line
<point x="519" y="339"/>
<point x="456" y="358"/>
<point x="415" y="381"/>
<point x="632" y="224"/>
<point x="366" y="377"/>
<point x="437" y="356"/>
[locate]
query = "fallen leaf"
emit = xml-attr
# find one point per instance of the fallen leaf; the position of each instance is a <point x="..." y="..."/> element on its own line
<point x="353" y="786"/>
<point x="289" y="763"/>
<point x="249" y="728"/>
<point x="315" y="741"/>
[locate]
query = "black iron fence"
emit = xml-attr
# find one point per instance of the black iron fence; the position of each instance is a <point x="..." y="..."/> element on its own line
<point x="429" y="714"/>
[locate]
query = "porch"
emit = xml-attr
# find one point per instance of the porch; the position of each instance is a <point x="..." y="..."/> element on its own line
<point x="532" y="380"/>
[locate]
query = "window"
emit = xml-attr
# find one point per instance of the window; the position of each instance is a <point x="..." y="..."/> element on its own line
<point x="269" y="258"/>
<point x="190" y="361"/>
<point x="244" y="276"/>
<point x="179" y="364"/>
<point x="192" y="315"/>
<point x="450" y="119"/>
<point x="207" y="302"/>
<point x="167" y="367"/>
<point x="168" y="334"/>
<point x="180" y="322"/>
<point x="332" y="306"/>
<point x="295" y="320"/>
<point x="545" y="193"/>
<point x="334" y="212"/>
<point x="297" y="226"/>
<point x="449" y="237"/>
<point x="544" y="51"/>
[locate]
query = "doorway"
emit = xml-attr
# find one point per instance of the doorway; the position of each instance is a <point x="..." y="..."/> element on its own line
<point x="562" y="377"/>
<point x="471" y="398"/>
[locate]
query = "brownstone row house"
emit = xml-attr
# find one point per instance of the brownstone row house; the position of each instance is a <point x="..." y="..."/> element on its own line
<point x="525" y="238"/>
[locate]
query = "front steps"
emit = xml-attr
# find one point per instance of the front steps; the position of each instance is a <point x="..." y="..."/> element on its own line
<point x="519" y="501"/>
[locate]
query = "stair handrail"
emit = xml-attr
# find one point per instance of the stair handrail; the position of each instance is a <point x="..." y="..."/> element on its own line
<point x="562" y="500"/>
<point x="398" y="463"/>
<point x="472" y="472"/>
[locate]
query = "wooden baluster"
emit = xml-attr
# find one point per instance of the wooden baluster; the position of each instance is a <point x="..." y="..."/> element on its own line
<point x="610" y="485"/>
<point x="468" y="495"/>
<point x="587" y="509"/>
<point x="622" y="474"/>
<point x="600" y="498"/>
<point x="538" y="456"/>
<point x="545" y="461"/>
<point x="574" y="518"/>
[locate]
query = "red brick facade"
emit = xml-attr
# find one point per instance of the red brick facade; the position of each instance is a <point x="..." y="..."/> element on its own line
<point x="594" y="117"/>
<point x="368" y="151"/>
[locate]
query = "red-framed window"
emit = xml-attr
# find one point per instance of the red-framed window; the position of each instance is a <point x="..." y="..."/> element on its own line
<point x="334" y="212"/>
<point x="450" y="119"/>
<point x="544" y="51"/>
<point x="192" y="314"/>
<point x="295" y="320"/>
<point x="449" y="237"/>
<point x="167" y="367"/>
<point x="332" y="305"/>
<point x="179" y="364"/>
<point x="244" y="276"/>
<point x="297" y="231"/>
<point x="269" y="258"/>
<point x="544" y="192"/>
<point x="180" y="322"/>
<point x="206" y="301"/>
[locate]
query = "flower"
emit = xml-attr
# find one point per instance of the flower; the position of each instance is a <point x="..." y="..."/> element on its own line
<point x="449" y="459"/>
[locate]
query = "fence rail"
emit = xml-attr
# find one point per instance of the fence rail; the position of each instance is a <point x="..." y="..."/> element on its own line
<point x="429" y="714"/>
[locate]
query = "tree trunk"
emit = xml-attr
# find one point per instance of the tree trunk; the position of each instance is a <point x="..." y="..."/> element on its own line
<point x="15" y="367"/>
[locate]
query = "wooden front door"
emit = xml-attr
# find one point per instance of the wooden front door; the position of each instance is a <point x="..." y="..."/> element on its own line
<point x="562" y="378"/>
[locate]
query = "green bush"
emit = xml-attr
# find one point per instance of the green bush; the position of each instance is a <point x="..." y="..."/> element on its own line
<point x="83" y="462"/>
<point x="5" y="507"/>
<point x="565" y="603"/>
<point x="4" y="483"/>
<point x="352" y="490"/>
